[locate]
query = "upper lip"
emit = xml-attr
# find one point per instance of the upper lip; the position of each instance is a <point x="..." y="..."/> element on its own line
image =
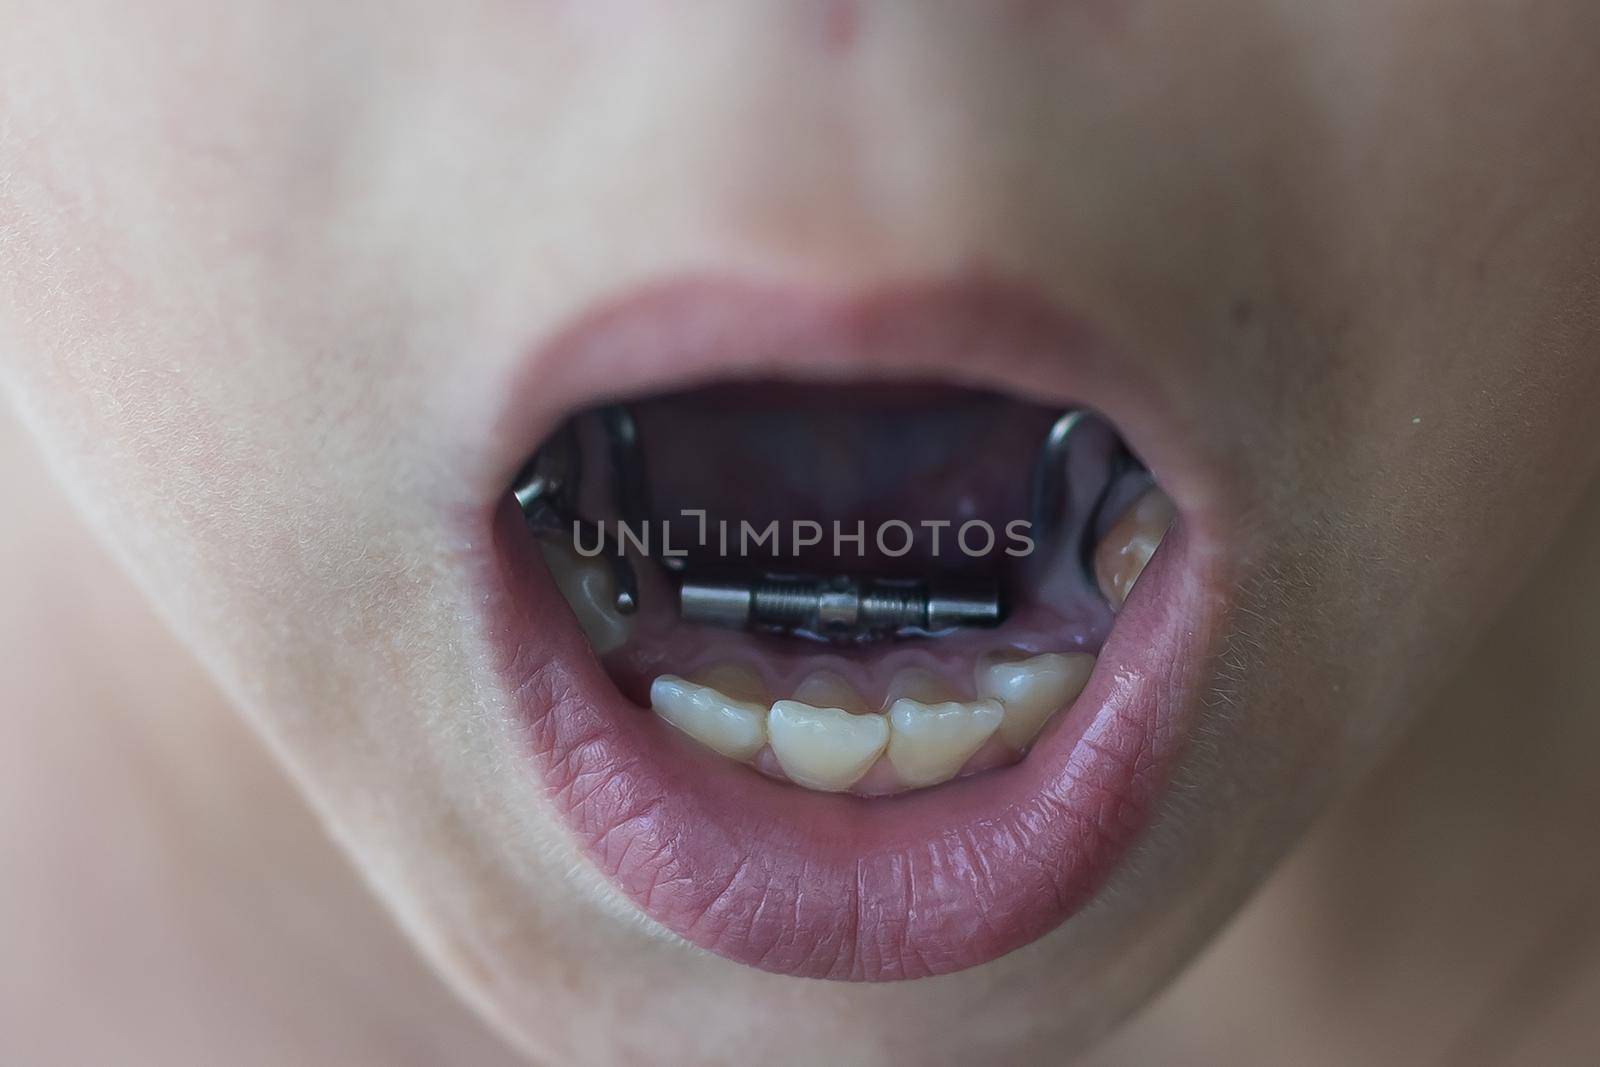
<point x="825" y="885"/>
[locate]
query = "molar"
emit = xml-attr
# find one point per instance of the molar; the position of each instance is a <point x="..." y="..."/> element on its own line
<point x="929" y="743"/>
<point x="1121" y="555"/>
<point x="589" y="588"/>
<point x="825" y="748"/>
<point x="1031" y="689"/>
<point x="735" y="728"/>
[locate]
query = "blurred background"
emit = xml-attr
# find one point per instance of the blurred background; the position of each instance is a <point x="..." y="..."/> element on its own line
<point x="1447" y="913"/>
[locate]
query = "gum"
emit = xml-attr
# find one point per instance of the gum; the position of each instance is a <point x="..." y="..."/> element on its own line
<point x="663" y="645"/>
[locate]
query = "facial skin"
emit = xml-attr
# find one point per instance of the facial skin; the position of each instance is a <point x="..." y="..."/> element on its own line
<point x="274" y="283"/>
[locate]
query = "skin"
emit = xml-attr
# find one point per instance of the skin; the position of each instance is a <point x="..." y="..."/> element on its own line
<point x="1473" y="941"/>
<point x="265" y="280"/>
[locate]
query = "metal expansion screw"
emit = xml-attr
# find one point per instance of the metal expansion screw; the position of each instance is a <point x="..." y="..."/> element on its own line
<point x="839" y="606"/>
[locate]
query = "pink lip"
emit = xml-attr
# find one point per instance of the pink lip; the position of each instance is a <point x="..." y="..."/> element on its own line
<point x="829" y="886"/>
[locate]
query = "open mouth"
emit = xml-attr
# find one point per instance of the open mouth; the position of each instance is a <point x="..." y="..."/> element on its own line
<point x="868" y="676"/>
<point x="848" y="588"/>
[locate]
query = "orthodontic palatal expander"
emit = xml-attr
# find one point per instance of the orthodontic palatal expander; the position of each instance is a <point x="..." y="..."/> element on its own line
<point x="839" y="606"/>
<point x="832" y="607"/>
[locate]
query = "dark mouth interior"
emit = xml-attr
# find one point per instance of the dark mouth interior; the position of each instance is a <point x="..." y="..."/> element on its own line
<point x="893" y="482"/>
<point x="933" y="460"/>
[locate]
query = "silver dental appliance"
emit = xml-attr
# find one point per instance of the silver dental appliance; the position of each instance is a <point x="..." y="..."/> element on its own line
<point x="834" y="607"/>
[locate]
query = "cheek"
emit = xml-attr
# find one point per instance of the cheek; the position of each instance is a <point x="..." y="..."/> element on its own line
<point x="1419" y="400"/>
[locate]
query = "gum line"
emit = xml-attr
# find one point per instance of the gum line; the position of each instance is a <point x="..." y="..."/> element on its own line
<point x="657" y="644"/>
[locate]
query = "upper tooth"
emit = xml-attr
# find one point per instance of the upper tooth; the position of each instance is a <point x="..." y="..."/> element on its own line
<point x="825" y="689"/>
<point x="929" y="743"/>
<point x="915" y="683"/>
<point x="1121" y="555"/>
<point x="588" y="586"/>
<point x="734" y="680"/>
<point x="1031" y="690"/>
<point x="735" y="728"/>
<point x="825" y="748"/>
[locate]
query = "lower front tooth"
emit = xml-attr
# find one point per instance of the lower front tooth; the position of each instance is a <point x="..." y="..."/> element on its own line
<point x="1032" y="689"/>
<point x="1122" y="553"/>
<point x="590" y="589"/>
<point x="928" y="743"/>
<point x="824" y="748"/>
<point x="735" y="728"/>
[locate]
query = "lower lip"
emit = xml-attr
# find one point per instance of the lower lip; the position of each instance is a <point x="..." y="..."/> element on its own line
<point x="829" y="886"/>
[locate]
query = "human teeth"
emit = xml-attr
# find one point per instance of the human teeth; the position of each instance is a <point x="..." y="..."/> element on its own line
<point x="1121" y="555"/>
<point x="825" y="689"/>
<point x="588" y="586"/>
<point x="735" y="681"/>
<point x="735" y="728"/>
<point x="928" y="743"/>
<point x="914" y="683"/>
<point x="824" y="748"/>
<point x="1032" y="689"/>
